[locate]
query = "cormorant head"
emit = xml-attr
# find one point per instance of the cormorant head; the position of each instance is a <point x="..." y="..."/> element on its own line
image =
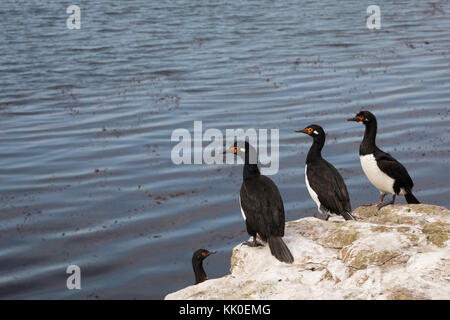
<point x="245" y="151"/>
<point x="201" y="254"/>
<point x="313" y="130"/>
<point x="364" y="117"/>
<point x="197" y="264"/>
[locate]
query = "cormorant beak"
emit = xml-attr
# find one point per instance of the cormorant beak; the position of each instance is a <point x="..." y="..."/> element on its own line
<point x="206" y="254"/>
<point x="356" y="119"/>
<point x="228" y="150"/>
<point x="306" y="130"/>
<point x="231" y="150"/>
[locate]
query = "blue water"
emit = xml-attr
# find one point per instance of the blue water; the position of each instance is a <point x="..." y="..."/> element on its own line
<point x="86" y="118"/>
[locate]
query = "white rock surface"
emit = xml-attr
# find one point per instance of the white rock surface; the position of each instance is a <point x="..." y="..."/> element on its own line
<point x="401" y="252"/>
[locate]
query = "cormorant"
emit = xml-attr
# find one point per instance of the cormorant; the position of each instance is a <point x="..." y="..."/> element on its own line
<point x="325" y="184"/>
<point x="383" y="171"/>
<point x="261" y="205"/>
<point x="197" y="264"/>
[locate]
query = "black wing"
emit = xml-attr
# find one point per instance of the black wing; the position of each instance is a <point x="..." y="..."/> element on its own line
<point x="395" y="170"/>
<point x="330" y="187"/>
<point x="263" y="206"/>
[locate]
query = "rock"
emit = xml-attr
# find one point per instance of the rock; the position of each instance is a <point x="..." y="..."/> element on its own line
<point x="399" y="252"/>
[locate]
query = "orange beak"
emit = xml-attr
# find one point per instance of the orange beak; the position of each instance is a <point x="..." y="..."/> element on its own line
<point x="306" y="130"/>
<point x="357" y="119"/>
<point x="233" y="149"/>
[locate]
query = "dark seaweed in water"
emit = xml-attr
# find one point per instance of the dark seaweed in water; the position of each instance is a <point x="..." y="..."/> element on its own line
<point x="86" y="118"/>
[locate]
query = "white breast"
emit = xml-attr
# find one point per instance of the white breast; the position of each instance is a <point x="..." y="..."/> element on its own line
<point x="312" y="193"/>
<point x="242" y="210"/>
<point x="378" y="178"/>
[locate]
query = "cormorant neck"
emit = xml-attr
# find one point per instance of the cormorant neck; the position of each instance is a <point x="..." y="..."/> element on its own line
<point x="251" y="164"/>
<point x="251" y="170"/>
<point x="200" y="274"/>
<point x="315" y="152"/>
<point x="368" y="143"/>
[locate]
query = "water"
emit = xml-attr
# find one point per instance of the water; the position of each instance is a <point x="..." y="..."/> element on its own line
<point x="86" y="118"/>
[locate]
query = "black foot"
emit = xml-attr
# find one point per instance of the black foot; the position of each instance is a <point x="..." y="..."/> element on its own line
<point x="382" y="205"/>
<point x="378" y="204"/>
<point x="324" y="217"/>
<point x="252" y="244"/>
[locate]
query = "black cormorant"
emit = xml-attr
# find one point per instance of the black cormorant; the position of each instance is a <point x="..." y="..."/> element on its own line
<point x="325" y="184"/>
<point x="261" y="205"/>
<point x="197" y="264"/>
<point x="383" y="171"/>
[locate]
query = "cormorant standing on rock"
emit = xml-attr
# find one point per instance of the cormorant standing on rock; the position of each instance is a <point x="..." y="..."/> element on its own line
<point x="325" y="184"/>
<point x="261" y="205"/>
<point x="383" y="171"/>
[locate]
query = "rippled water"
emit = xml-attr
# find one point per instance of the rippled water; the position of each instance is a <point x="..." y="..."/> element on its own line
<point x="86" y="118"/>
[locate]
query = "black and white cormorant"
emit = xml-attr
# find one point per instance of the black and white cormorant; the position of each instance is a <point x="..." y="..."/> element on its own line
<point x="261" y="205"/>
<point x="383" y="171"/>
<point x="197" y="264"/>
<point x="325" y="184"/>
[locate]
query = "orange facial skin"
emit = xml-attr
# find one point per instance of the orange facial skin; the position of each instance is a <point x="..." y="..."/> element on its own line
<point x="233" y="149"/>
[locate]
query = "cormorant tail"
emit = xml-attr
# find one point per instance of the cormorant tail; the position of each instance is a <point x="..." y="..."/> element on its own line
<point x="280" y="250"/>
<point x="410" y="198"/>
<point x="348" y="216"/>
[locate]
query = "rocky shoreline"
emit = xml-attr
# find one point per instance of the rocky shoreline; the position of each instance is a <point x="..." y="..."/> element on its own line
<point x="399" y="252"/>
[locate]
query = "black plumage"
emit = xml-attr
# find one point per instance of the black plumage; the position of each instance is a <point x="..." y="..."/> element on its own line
<point x="197" y="264"/>
<point x="261" y="205"/>
<point x="325" y="184"/>
<point x="400" y="181"/>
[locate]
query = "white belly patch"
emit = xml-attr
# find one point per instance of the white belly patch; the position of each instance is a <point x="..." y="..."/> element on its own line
<point x="242" y="210"/>
<point x="378" y="178"/>
<point x="312" y="193"/>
